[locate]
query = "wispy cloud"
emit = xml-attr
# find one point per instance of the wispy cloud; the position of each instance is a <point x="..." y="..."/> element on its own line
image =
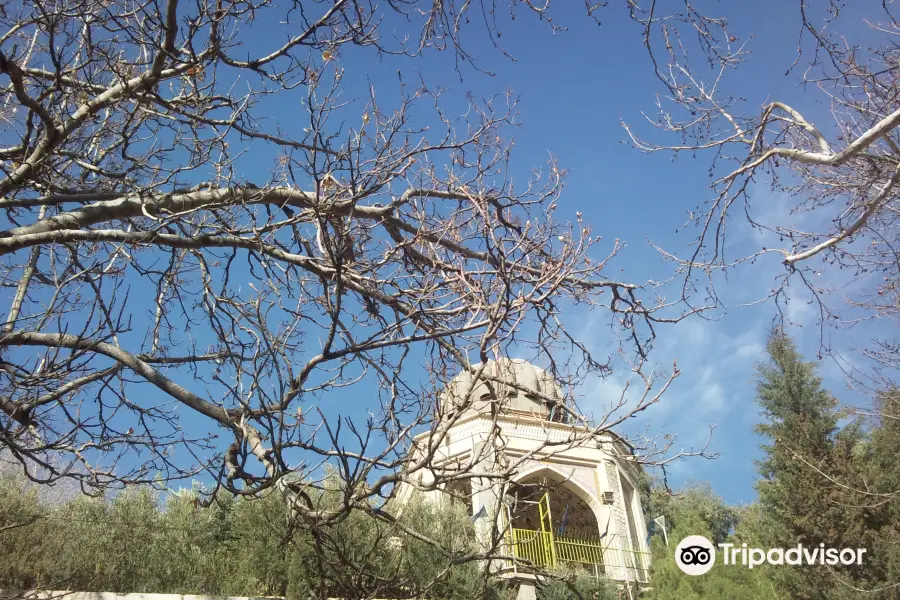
<point x="717" y="358"/>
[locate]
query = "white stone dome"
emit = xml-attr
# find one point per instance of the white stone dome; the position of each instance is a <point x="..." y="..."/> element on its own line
<point x="538" y="386"/>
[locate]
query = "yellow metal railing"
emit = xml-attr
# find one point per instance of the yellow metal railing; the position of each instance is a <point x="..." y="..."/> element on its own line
<point x="632" y="560"/>
<point x="543" y="549"/>
<point x="534" y="546"/>
<point x="546" y="550"/>
<point x="579" y="550"/>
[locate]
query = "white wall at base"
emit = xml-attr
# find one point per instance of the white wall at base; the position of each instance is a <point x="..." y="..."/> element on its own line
<point x="526" y="591"/>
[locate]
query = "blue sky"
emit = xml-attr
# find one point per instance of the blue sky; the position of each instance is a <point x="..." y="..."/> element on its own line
<point x="573" y="89"/>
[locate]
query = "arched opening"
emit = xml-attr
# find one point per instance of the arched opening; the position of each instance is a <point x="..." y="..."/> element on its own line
<point x="569" y="514"/>
<point x="552" y="523"/>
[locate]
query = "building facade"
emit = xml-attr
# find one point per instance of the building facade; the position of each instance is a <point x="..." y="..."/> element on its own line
<point x="563" y="496"/>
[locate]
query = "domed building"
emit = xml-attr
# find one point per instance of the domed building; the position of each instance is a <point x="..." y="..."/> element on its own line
<point x="561" y="496"/>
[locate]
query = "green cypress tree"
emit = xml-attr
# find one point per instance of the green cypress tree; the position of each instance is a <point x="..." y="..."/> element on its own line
<point x="875" y="484"/>
<point x="797" y="499"/>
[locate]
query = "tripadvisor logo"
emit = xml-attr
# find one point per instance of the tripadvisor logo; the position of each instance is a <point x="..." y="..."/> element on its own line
<point x="696" y="555"/>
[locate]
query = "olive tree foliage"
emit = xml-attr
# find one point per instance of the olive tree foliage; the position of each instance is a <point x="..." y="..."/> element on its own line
<point x="140" y="541"/>
<point x="829" y="157"/>
<point x="175" y="309"/>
